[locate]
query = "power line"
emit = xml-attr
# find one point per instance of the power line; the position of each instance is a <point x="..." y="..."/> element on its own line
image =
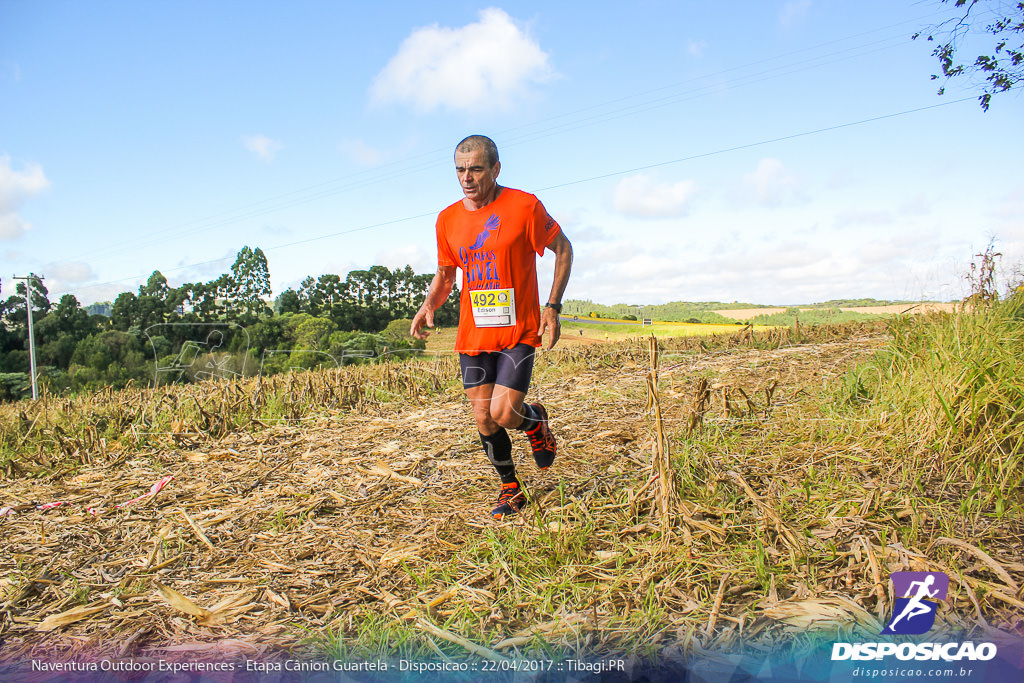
<point x="756" y="144"/>
<point x="548" y="128"/>
<point x="579" y="181"/>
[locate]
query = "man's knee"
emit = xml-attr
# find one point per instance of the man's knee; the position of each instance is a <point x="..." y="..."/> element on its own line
<point x="482" y="416"/>
<point x="506" y="415"/>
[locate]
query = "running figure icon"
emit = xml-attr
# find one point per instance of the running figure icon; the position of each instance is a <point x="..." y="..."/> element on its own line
<point x="916" y="603"/>
<point x="915" y="607"/>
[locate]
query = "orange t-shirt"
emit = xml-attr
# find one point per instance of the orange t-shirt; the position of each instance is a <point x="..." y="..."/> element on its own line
<point x="496" y="247"/>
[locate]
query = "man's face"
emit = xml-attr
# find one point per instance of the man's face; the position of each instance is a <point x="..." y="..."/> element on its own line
<point x="476" y="176"/>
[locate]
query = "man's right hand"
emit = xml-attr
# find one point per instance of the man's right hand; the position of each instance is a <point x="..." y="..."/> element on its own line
<point x="424" y="316"/>
<point x="440" y="288"/>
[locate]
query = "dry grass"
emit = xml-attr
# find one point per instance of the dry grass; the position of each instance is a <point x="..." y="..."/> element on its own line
<point x="346" y="512"/>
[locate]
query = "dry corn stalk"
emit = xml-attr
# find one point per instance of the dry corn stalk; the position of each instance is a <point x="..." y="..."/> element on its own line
<point x="701" y="403"/>
<point x="661" y="466"/>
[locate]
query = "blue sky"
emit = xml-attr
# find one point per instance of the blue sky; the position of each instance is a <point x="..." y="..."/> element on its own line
<point x="754" y="150"/>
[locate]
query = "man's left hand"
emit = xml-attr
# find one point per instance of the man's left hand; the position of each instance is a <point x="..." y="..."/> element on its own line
<point x="550" y="323"/>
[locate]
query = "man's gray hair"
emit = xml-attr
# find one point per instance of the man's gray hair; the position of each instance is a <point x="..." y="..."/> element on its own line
<point x="475" y="142"/>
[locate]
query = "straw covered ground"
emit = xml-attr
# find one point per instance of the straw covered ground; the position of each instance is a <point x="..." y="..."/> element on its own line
<point x="344" y="513"/>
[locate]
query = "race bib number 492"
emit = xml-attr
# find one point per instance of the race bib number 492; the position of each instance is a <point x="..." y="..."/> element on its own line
<point x="494" y="307"/>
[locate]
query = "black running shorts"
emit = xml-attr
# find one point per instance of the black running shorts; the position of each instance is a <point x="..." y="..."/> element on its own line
<point x="510" y="368"/>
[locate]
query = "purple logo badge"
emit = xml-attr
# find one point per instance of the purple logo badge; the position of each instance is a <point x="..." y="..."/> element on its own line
<point x="916" y="595"/>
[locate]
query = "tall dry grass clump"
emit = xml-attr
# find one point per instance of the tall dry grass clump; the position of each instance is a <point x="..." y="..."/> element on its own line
<point x="951" y="385"/>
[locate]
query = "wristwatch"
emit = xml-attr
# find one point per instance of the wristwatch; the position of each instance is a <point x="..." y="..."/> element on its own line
<point x="557" y="307"/>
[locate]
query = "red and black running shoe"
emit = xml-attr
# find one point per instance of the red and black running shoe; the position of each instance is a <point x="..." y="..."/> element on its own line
<point x="542" y="441"/>
<point x="510" y="501"/>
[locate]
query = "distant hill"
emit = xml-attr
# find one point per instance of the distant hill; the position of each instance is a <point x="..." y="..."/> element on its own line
<point x="675" y="311"/>
<point x="858" y="303"/>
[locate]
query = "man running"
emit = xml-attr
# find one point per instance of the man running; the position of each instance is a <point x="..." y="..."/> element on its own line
<point x="494" y="234"/>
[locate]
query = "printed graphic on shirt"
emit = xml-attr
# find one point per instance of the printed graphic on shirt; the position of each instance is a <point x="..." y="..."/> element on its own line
<point x="481" y="266"/>
<point x="490" y="226"/>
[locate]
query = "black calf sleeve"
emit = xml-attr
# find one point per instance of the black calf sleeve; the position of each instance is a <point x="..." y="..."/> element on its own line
<point x="498" y="448"/>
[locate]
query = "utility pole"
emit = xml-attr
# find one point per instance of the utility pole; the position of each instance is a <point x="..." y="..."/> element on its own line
<point x="31" y="337"/>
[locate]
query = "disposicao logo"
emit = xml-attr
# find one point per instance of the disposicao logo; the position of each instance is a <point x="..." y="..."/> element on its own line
<point x="913" y="613"/>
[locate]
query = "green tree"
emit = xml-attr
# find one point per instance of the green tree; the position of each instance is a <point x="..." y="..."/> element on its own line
<point x="287" y="302"/>
<point x="328" y="293"/>
<point x="108" y="358"/>
<point x="210" y="300"/>
<point x="397" y="336"/>
<point x="1003" y="67"/>
<point x="13" y="309"/>
<point x="269" y="333"/>
<point x="61" y="329"/>
<point x="312" y="333"/>
<point x="156" y="286"/>
<point x="71" y="318"/>
<point x="14" y="386"/>
<point x="405" y="304"/>
<point x="250" y="284"/>
<point x="306" y="294"/>
<point x="125" y="311"/>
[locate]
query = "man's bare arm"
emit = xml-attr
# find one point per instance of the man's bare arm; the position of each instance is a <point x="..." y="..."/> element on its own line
<point x="438" y="292"/>
<point x="549" y="321"/>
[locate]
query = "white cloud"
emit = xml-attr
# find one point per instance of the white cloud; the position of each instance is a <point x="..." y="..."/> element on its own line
<point x="361" y="153"/>
<point x="612" y="252"/>
<point x="278" y="229"/>
<point x="569" y="216"/>
<point x="262" y="146"/>
<point x="917" y="205"/>
<point x="1011" y="206"/>
<point x="66" y="276"/>
<point x="642" y="195"/>
<point x="894" y="250"/>
<point x="89" y="294"/>
<point x="772" y="184"/>
<point x="864" y="218"/>
<point x="1008" y="229"/>
<point x="15" y="188"/>
<point x="793" y="12"/>
<point x="185" y="271"/>
<point x="70" y="272"/>
<point x="792" y="271"/>
<point x="588" y="233"/>
<point x="407" y="255"/>
<point x="482" y="66"/>
<point x="696" y="48"/>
